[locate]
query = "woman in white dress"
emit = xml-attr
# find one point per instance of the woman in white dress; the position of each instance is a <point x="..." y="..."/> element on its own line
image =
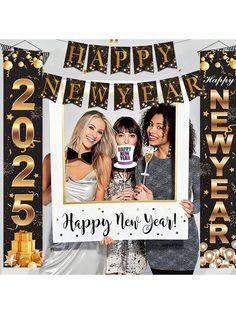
<point x="88" y="169"/>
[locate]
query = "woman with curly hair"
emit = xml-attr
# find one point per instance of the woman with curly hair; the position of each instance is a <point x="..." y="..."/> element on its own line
<point x="158" y="130"/>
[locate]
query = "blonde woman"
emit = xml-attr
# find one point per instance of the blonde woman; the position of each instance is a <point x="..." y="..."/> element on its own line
<point x="88" y="169"/>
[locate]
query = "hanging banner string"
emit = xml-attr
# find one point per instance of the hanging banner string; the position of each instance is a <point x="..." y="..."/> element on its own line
<point x="113" y="82"/>
<point x="12" y="47"/>
<point x="227" y="47"/>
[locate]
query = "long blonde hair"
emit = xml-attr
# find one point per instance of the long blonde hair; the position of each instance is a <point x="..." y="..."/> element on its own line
<point x="106" y="147"/>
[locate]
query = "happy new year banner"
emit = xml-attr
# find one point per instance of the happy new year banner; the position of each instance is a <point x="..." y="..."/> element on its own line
<point x="22" y="158"/>
<point x="97" y="59"/>
<point x="123" y="93"/>
<point x="218" y="163"/>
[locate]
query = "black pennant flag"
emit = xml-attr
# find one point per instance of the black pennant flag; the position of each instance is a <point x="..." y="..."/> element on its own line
<point x="123" y="96"/>
<point x="143" y="59"/>
<point x="99" y="93"/>
<point x="147" y="94"/>
<point x="74" y="92"/>
<point x="193" y="83"/>
<point x="75" y="55"/>
<point x="120" y="60"/>
<point x="97" y="58"/>
<point x="51" y="85"/>
<point x="165" y="55"/>
<point x="171" y="90"/>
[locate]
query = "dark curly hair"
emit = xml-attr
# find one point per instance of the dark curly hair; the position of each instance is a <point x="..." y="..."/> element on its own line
<point x="169" y="114"/>
<point x="192" y="139"/>
<point x="130" y="125"/>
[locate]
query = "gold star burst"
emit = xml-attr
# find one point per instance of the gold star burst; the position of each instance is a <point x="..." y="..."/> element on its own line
<point x="36" y="175"/>
<point x="11" y="195"/>
<point x="205" y="113"/>
<point x="231" y="169"/>
<point x="10" y="116"/>
<point x="206" y="192"/>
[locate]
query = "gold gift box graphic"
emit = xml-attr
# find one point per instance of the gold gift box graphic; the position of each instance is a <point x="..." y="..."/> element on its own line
<point x="23" y="236"/>
<point x="23" y="246"/>
<point x="23" y="250"/>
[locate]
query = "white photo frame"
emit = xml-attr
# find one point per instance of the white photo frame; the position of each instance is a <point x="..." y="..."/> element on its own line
<point x="119" y="220"/>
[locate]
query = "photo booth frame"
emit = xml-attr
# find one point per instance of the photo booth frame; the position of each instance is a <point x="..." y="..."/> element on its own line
<point x="92" y="221"/>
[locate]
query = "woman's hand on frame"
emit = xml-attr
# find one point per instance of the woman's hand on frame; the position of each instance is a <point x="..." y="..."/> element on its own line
<point x="187" y="207"/>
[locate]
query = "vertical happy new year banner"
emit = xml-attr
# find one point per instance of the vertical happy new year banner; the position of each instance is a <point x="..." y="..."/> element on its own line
<point x="22" y="158"/>
<point x="218" y="162"/>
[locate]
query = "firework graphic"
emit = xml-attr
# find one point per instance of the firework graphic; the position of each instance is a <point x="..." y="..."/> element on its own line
<point x="8" y="168"/>
<point x="232" y="114"/>
<point x="205" y="169"/>
<point x="232" y="217"/>
<point x="38" y="219"/>
<point x="37" y="113"/>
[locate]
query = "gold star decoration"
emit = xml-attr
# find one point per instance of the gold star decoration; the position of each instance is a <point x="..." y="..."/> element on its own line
<point x="205" y="113"/>
<point x="233" y="236"/>
<point x="206" y="192"/>
<point x="10" y="116"/>
<point x="231" y="169"/>
<point x="36" y="175"/>
<point x="11" y="195"/>
<point x="9" y="260"/>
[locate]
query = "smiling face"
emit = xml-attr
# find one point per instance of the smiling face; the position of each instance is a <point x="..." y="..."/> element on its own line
<point x="93" y="133"/>
<point x="156" y="133"/>
<point x="126" y="138"/>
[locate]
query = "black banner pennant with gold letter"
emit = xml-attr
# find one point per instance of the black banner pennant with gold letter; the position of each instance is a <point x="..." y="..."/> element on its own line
<point x="75" y="55"/>
<point x="171" y="90"/>
<point x="143" y="59"/>
<point x="51" y="85"/>
<point x="97" y="58"/>
<point x="74" y="92"/>
<point x="99" y="93"/>
<point x="120" y="60"/>
<point x="165" y="55"/>
<point x="193" y="83"/>
<point x="123" y="96"/>
<point x="147" y="94"/>
<point x="22" y="158"/>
